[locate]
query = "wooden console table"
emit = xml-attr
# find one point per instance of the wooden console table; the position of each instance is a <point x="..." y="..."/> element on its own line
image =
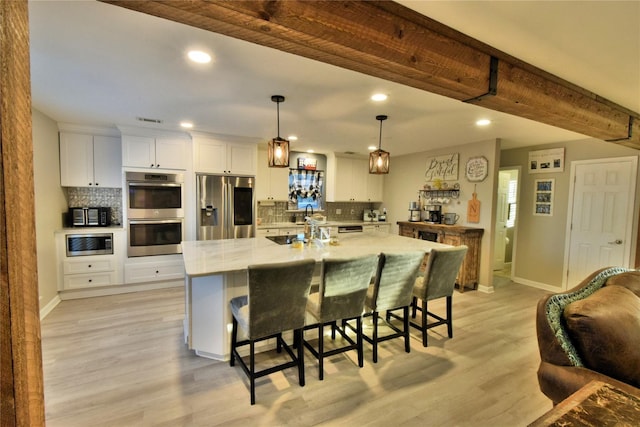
<point x="594" y="405"/>
<point x="454" y="235"/>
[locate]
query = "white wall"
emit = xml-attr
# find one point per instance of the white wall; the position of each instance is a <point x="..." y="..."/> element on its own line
<point x="50" y="204"/>
<point x="406" y="177"/>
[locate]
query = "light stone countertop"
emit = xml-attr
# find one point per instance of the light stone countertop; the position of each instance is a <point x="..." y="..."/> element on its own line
<point x="207" y="257"/>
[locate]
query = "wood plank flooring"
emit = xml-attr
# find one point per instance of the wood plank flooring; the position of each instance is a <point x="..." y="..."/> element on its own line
<point x="121" y="361"/>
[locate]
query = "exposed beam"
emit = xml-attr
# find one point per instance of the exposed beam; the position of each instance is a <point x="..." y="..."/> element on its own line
<point x="387" y="40"/>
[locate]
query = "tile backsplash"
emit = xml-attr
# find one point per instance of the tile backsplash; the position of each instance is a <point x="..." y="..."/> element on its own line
<point x="107" y="197"/>
<point x="275" y="212"/>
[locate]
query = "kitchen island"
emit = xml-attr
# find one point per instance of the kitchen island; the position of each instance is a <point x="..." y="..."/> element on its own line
<point x="216" y="271"/>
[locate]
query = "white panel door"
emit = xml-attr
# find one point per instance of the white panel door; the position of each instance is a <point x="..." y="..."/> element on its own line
<point x="601" y="218"/>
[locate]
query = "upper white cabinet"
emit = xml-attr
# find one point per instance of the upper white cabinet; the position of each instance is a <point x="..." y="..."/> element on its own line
<point x="271" y="183"/>
<point x="154" y="152"/>
<point x="215" y="156"/>
<point x="90" y="160"/>
<point x="354" y="183"/>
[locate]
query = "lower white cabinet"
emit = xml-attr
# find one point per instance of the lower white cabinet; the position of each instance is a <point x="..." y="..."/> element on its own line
<point x="152" y="269"/>
<point x="381" y="227"/>
<point x="91" y="271"/>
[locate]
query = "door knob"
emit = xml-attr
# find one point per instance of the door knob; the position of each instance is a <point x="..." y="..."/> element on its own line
<point x="616" y="242"/>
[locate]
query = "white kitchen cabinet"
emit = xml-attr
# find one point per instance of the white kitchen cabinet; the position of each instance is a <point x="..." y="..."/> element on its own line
<point x="380" y="227"/>
<point x="264" y="232"/>
<point x="229" y="158"/>
<point x="90" y="160"/>
<point x="375" y="187"/>
<point x="154" y="152"/>
<point x="77" y="273"/>
<point x="351" y="180"/>
<point x="271" y="183"/>
<point x="159" y="269"/>
<point x="90" y="271"/>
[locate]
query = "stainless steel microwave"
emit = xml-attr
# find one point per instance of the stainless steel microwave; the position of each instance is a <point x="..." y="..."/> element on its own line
<point x="89" y="244"/>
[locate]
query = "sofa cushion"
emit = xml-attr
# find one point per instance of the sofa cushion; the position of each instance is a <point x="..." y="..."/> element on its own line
<point x="605" y="329"/>
<point x="629" y="280"/>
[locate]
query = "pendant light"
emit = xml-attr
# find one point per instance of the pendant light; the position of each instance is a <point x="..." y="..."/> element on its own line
<point x="379" y="159"/>
<point x="278" y="148"/>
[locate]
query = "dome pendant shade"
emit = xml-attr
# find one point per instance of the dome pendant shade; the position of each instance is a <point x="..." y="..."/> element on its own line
<point x="278" y="148"/>
<point x="379" y="159"/>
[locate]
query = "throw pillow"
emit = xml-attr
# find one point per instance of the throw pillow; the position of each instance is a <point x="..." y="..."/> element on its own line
<point x="605" y="329"/>
<point x="629" y="280"/>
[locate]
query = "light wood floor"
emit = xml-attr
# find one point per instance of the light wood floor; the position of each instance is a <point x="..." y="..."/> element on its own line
<point x="120" y="361"/>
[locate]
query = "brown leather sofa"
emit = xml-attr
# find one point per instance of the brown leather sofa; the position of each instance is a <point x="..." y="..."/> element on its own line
<point x="590" y="332"/>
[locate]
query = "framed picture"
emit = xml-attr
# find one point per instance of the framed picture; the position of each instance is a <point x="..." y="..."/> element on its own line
<point x="477" y="169"/>
<point x="546" y="161"/>
<point x="443" y="168"/>
<point x="543" y="197"/>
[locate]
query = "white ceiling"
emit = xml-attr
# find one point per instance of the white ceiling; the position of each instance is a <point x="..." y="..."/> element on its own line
<point x="100" y="65"/>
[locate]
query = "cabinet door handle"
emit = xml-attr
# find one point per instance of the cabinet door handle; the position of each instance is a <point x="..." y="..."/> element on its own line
<point x="89" y="266"/>
<point x="616" y="242"/>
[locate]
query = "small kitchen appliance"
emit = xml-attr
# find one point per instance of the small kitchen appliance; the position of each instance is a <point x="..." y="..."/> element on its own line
<point x="434" y="214"/>
<point x="371" y="215"/>
<point x="90" y="217"/>
<point x="414" y="212"/>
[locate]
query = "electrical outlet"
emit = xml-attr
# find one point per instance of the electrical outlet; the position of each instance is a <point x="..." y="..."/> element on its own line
<point x="353" y="211"/>
<point x="338" y="211"/>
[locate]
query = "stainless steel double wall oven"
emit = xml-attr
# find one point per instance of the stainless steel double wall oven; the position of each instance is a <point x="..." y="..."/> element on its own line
<point x="155" y="213"/>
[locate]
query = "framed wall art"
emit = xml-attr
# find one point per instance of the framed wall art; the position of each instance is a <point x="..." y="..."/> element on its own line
<point x="444" y="168"/>
<point x="546" y="161"/>
<point x="477" y="169"/>
<point x="543" y="197"/>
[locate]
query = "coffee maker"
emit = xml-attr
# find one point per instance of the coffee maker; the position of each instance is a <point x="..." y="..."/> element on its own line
<point x="434" y="213"/>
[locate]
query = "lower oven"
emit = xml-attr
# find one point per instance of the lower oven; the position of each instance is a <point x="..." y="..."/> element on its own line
<point x="155" y="237"/>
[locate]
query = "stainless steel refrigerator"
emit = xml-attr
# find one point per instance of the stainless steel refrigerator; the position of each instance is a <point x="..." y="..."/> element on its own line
<point x="225" y="207"/>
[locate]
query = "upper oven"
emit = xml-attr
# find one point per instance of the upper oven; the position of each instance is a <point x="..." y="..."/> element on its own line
<point x="154" y="195"/>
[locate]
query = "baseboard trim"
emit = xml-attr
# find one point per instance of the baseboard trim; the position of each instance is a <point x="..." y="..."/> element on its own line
<point x="50" y="306"/>
<point x="538" y="285"/>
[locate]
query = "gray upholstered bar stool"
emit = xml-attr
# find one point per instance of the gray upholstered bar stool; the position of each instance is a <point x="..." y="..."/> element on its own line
<point x="392" y="290"/>
<point x="438" y="281"/>
<point x="276" y="302"/>
<point x="342" y="290"/>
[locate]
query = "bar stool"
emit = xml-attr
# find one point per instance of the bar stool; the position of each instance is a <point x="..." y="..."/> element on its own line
<point x="391" y="291"/>
<point x="438" y="281"/>
<point x="275" y="303"/>
<point x="342" y="290"/>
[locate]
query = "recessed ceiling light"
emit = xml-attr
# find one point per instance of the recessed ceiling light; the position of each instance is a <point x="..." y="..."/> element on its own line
<point x="483" y="122"/>
<point x="379" y="97"/>
<point x="199" y="56"/>
<point x="310" y="151"/>
<point x="292" y="138"/>
<point x="187" y="125"/>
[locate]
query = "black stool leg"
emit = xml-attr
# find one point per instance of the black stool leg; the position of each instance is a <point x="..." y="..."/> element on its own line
<point x="375" y="337"/>
<point x="405" y="312"/>
<point x="359" y="342"/>
<point x="298" y="338"/>
<point x="321" y="350"/>
<point x="424" y="323"/>
<point x="234" y="340"/>
<point x="449" y="318"/>
<point x="252" y="370"/>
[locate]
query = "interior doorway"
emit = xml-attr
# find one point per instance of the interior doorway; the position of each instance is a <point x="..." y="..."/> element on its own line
<point x="505" y="225"/>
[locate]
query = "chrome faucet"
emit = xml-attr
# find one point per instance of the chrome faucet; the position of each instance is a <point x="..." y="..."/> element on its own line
<point x="306" y="210"/>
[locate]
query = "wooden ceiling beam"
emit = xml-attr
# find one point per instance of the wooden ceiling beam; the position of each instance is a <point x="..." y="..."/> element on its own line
<point x="387" y="40"/>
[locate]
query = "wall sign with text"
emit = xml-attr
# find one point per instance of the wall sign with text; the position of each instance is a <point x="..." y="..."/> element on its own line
<point x="444" y="168"/>
<point x="477" y="169"/>
<point x="546" y="161"/>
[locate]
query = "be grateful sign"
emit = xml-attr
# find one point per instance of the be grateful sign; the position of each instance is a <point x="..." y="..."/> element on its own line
<point x="444" y="168"/>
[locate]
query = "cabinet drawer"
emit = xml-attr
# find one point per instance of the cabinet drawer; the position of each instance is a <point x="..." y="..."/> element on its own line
<point x="262" y="232"/>
<point x="79" y="267"/>
<point x="80" y="281"/>
<point x="153" y="272"/>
